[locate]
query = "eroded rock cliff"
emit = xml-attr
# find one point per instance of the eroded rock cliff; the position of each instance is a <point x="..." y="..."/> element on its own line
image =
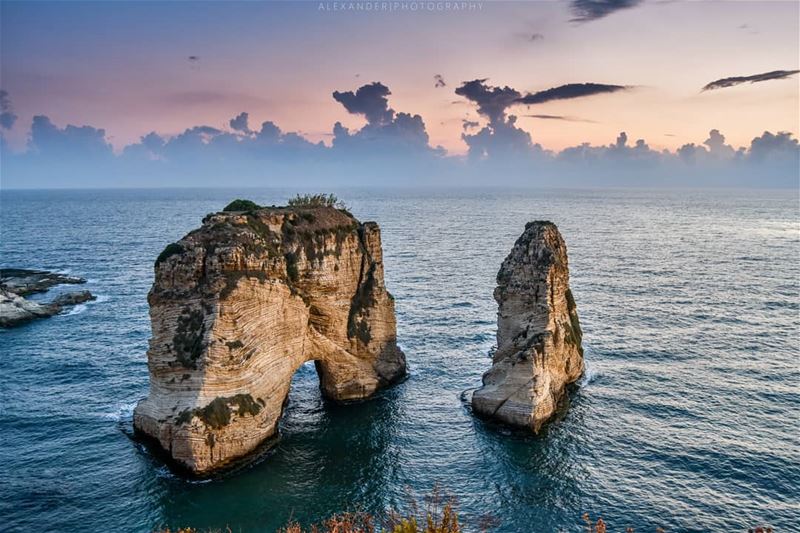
<point x="539" y="349"/>
<point x="239" y="304"/>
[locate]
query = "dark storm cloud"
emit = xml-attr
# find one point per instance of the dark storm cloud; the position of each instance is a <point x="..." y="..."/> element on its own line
<point x="569" y="91"/>
<point x="737" y="80"/>
<point x="368" y="100"/>
<point x="492" y="102"/>
<point x="7" y="116"/>
<point x="588" y="10"/>
<point x="560" y="117"/>
<point x="439" y="81"/>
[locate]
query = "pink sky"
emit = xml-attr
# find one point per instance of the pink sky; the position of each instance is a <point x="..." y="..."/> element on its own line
<point x="125" y="67"/>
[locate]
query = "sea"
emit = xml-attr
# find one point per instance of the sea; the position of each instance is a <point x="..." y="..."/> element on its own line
<point x="687" y="417"/>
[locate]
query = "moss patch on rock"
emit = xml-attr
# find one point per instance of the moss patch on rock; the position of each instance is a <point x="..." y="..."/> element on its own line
<point x="217" y="414"/>
<point x="188" y="339"/>
<point x="172" y="248"/>
<point x="242" y="205"/>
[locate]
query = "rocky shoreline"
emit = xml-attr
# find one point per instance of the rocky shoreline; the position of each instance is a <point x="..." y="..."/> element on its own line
<point x="16" y="283"/>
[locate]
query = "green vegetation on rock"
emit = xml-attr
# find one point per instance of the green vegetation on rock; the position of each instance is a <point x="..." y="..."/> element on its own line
<point x="316" y="200"/>
<point x="172" y="248"/>
<point x="188" y="339"/>
<point x="242" y="205"/>
<point x="217" y="414"/>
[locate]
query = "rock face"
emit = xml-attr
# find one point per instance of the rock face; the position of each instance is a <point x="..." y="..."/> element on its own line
<point x="539" y="349"/>
<point x="23" y="282"/>
<point x="240" y="304"/>
<point x="16" y="282"/>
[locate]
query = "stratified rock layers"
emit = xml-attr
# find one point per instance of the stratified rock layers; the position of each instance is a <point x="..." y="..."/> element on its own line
<point x="240" y="304"/>
<point x="539" y="349"/>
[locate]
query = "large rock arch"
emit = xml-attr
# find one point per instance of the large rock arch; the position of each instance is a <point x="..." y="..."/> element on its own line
<point x="240" y="304"/>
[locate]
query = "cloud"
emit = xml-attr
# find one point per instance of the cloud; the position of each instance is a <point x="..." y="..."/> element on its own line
<point x="240" y="122"/>
<point x="386" y="132"/>
<point x="589" y="10"/>
<point x="499" y="140"/>
<point x="755" y="78"/>
<point x="492" y="102"/>
<point x="716" y="145"/>
<point x="500" y="137"/>
<point x="71" y="141"/>
<point x="7" y="116"/>
<point x="780" y="146"/>
<point x="560" y="117"/>
<point x="569" y="91"/>
<point x="439" y="81"/>
<point x="368" y="100"/>
<point x="394" y="146"/>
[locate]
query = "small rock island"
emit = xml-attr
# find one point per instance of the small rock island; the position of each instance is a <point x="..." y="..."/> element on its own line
<point x="17" y="283"/>
<point x="239" y="304"/>
<point x="539" y="349"/>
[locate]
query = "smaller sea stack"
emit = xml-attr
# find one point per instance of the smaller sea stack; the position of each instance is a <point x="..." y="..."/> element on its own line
<point x="539" y="349"/>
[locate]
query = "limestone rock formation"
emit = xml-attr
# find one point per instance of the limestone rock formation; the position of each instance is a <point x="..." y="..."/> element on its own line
<point x="240" y="304"/>
<point x="539" y="349"/>
<point x="15" y="283"/>
<point x="22" y="281"/>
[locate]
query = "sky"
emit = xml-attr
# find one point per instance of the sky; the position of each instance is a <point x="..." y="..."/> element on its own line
<point x="136" y="68"/>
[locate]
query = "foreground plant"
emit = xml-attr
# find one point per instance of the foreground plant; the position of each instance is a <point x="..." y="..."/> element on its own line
<point x="316" y="200"/>
<point x="439" y="516"/>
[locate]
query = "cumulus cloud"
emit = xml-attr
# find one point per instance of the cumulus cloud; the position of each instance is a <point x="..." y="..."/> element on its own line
<point x="492" y="102"/>
<point x="569" y="91"/>
<point x="394" y="147"/>
<point x="717" y="147"/>
<point x="589" y="10"/>
<point x="70" y="141"/>
<point x="369" y="100"/>
<point x="386" y="132"/>
<point x="7" y="116"/>
<point x="500" y="137"/>
<point x="240" y="122"/>
<point x="438" y="81"/>
<point x="755" y="78"/>
<point x="781" y="146"/>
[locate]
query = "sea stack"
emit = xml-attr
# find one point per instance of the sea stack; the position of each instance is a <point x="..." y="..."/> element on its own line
<point x="239" y="304"/>
<point x="539" y="349"/>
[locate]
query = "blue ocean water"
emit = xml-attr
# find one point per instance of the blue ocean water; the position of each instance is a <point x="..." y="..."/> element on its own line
<point x="688" y="416"/>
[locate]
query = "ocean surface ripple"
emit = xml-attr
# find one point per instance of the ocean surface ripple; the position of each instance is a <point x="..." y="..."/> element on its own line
<point x="688" y="416"/>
